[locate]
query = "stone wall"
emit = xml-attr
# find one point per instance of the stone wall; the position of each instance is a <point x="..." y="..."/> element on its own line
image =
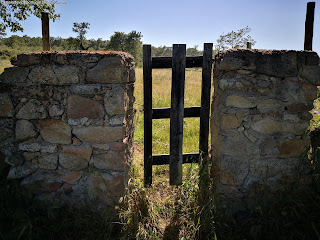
<point x="260" y="114"/>
<point x="66" y="122"/>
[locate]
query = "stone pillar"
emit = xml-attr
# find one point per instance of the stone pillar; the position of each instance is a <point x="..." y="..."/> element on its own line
<point x="67" y="124"/>
<point x="260" y="115"/>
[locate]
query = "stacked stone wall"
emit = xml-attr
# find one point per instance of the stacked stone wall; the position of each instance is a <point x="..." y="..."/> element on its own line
<point x="260" y="116"/>
<point x="66" y="122"/>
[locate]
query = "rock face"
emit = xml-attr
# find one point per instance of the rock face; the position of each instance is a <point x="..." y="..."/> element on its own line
<point x="79" y="107"/>
<point x="99" y="134"/>
<point x="56" y="131"/>
<point x="66" y="125"/>
<point x="260" y="114"/>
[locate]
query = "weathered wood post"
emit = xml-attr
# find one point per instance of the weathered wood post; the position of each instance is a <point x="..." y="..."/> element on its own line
<point x="177" y="113"/>
<point x="249" y="45"/>
<point x="205" y="99"/>
<point x="147" y="107"/>
<point x="308" y="36"/>
<point x="45" y="31"/>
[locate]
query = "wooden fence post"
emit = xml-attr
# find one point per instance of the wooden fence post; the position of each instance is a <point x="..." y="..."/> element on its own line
<point x="45" y="31"/>
<point x="308" y="36"/>
<point x="177" y="113"/>
<point x="205" y="99"/>
<point x="147" y="107"/>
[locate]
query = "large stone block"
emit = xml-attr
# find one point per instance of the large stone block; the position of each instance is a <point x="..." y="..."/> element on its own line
<point x="14" y="75"/>
<point x="293" y="148"/>
<point x="48" y="161"/>
<point x="67" y="74"/>
<point x="110" y="161"/>
<point x="33" y="109"/>
<point x="24" y="130"/>
<point x="239" y="102"/>
<point x="107" y="185"/>
<point x="110" y="69"/>
<point x="79" y="107"/>
<point x="6" y="107"/>
<point x="311" y="74"/>
<point x="75" y="158"/>
<point x="99" y="134"/>
<point x="229" y="122"/>
<point x="43" y="75"/>
<point x="22" y="171"/>
<point x="114" y="101"/>
<point x="56" y="131"/>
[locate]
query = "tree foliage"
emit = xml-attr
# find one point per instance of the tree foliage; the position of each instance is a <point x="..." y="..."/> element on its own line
<point x="81" y="30"/>
<point x="14" y="12"/>
<point x="127" y="42"/>
<point x="235" y="39"/>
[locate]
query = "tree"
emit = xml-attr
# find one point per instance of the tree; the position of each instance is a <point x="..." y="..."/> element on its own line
<point x="130" y="43"/>
<point x="81" y="29"/>
<point x="234" y="39"/>
<point x="15" y="11"/>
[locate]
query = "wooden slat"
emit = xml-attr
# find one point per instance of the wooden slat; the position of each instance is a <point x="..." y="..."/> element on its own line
<point x="309" y="26"/>
<point x="165" y="159"/>
<point x="147" y="99"/>
<point x="45" y="31"/>
<point x="160" y="113"/>
<point x="176" y="113"/>
<point x="205" y="99"/>
<point x="166" y="62"/>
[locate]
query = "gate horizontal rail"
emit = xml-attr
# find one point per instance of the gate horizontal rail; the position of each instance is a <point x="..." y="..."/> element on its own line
<point x="161" y="113"/>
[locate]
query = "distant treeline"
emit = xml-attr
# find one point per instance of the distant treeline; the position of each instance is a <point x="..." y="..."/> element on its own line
<point x="131" y="42"/>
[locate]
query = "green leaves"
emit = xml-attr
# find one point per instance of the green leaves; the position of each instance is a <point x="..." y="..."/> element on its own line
<point x="14" y="12"/>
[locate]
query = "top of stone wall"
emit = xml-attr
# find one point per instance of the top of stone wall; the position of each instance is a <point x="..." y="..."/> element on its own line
<point x="70" y="67"/>
<point x="276" y="63"/>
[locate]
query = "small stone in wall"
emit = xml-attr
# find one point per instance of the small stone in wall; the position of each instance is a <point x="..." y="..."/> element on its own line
<point x="56" y="131"/>
<point x="24" y="130"/>
<point x="116" y="120"/>
<point x="30" y="155"/>
<point x="29" y="147"/>
<point x="76" y="141"/>
<point x="56" y="110"/>
<point x="32" y="110"/>
<point x="48" y="161"/>
<point x="117" y="146"/>
<point x="48" y="148"/>
<point x="229" y="122"/>
<point x="6" y="107"/>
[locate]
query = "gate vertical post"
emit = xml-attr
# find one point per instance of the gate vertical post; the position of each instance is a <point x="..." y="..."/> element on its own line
<point x="177" y="113"/>
<point x="205" y="99"/>
<point x="147" y="107"/>
<point x="308" y="35"/>
<point x="45" y="31"/>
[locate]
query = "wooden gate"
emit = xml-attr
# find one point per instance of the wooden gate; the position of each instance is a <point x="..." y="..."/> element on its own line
<point x="178" y="62"/>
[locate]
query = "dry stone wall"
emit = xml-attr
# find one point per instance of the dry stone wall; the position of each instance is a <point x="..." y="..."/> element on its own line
<point x="66" y="122"/>
<point x="260" y="114"/>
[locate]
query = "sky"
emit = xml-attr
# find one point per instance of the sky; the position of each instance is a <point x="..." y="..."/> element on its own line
<point x="275" y="24"/>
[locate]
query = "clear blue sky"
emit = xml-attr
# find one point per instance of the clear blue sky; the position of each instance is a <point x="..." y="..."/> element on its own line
<point x="275" y="24"/>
